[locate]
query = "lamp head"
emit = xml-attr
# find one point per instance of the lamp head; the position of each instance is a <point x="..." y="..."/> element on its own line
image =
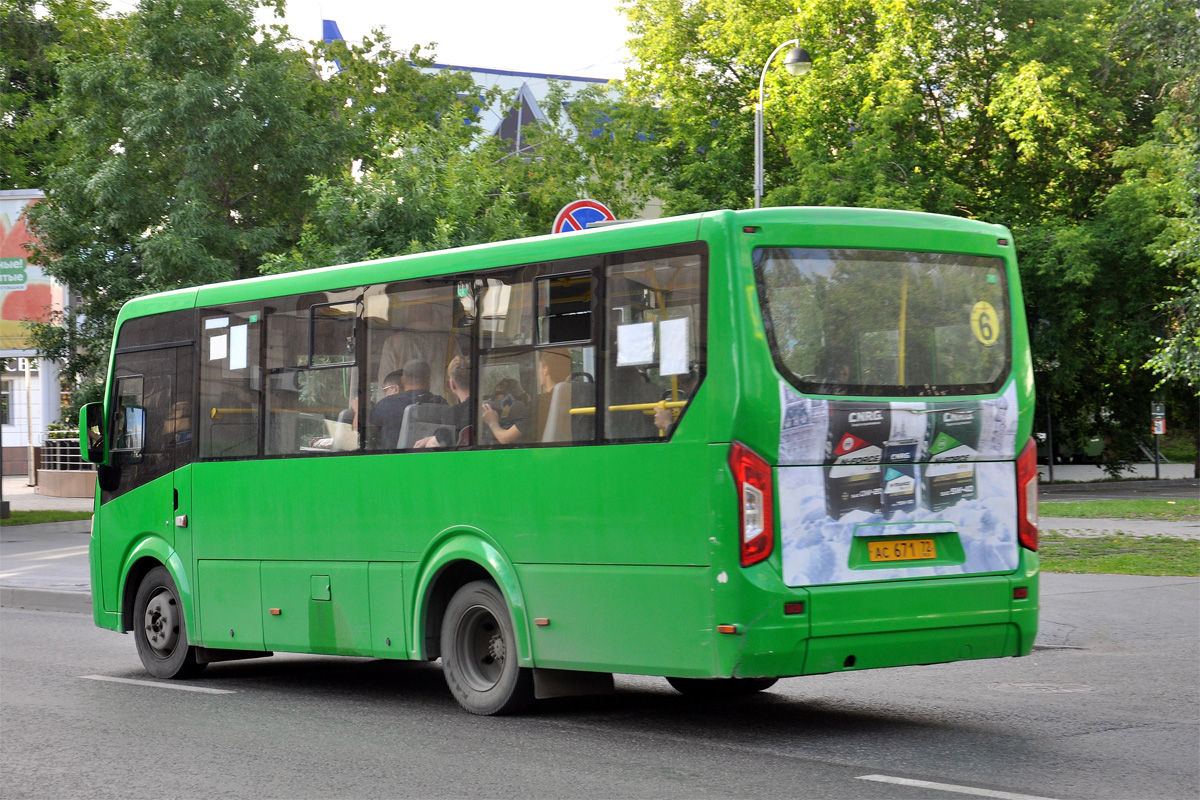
<point x="797" y="61"/>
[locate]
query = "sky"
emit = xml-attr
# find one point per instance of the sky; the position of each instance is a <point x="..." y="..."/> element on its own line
<point x="578" y="39"/>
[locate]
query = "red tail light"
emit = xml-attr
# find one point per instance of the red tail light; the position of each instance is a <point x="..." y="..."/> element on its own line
<point x="1027" y="497"/>
<point x="752" y="476"/>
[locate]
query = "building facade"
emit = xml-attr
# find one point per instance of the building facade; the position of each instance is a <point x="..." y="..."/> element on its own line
<point x="30" y="396"/>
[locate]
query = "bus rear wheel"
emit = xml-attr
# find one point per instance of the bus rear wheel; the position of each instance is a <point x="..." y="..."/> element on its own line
<point x="720" y="687"/>
<point x="479" y="653"/>
<point x="159" y="628"/>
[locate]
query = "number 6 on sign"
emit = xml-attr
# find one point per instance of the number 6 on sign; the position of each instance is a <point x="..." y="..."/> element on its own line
<point x="985" y="323"/>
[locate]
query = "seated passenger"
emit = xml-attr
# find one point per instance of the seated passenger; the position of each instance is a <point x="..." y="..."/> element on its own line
<point x="401" y="389"/>
<point x="458" y="378"/>
<point x="554" y="368"/>
<point x="503" y="415"/>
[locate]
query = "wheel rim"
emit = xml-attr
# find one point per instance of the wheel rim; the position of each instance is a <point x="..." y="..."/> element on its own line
<point x="162" y="622"/>
<point x="480" y="649"/>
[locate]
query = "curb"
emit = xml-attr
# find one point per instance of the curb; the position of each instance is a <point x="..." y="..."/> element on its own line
<point x="45" y="600"/>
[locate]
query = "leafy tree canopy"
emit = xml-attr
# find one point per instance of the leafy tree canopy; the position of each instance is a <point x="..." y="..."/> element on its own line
<point x="1044" y="115"/>
<point x="194" y="146"/>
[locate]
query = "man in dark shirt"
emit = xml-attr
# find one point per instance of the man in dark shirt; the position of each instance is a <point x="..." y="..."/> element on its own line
<point x="401" y="389"/>
<point x="458" y="380"/>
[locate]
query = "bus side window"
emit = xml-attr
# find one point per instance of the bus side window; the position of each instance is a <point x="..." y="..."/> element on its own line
<point x="310" y="372"/>
<point x="419" y="323"/>
<point x="566" y="367"/>
<point x="655" y="354"/>
<point x="230" y="382"/>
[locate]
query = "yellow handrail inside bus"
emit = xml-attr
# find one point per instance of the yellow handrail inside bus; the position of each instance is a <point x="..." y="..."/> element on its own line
<point x="635" y="407"/>
<point x="217" y="413"/>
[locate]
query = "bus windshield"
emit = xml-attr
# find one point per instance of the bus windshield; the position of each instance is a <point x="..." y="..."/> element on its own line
<point x="884" y="322"/>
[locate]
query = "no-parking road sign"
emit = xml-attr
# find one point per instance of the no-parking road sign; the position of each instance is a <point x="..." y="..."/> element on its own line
<point x="577" y="215"/>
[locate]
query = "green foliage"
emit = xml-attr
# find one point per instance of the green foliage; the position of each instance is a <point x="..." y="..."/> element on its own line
<point x="27" y="85"/>
<point x="999" y="110"/>
<point x="377" y="94"/>
<point x="426" y="181"/>
<point x="185" y="142"/>
<point x="1123" y="509"/>
<point x="1070" y="121"/>
<point x="427" y="193"/>
<point x="1167" y="34"/>
<point x="590" y="145"/>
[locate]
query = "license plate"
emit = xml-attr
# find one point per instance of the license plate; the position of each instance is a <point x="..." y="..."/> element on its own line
<point x="901" y="550"/>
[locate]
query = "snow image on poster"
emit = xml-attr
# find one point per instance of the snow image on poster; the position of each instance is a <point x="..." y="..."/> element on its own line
<point x="931" y="485"/>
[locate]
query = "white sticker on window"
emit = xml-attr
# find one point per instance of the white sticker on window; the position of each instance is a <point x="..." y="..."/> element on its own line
<point x="237" y="346"/>
<point x="216" y="322"/>
<point x="635" y="344"/>
<point x="218" y="347"/>
<point x="673" y="347"/>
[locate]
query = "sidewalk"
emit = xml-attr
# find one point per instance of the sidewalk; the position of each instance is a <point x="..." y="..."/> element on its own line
<point x="23" y="497"/>
<point x="1090" y="473"/>
<point x="1069" y="526"/>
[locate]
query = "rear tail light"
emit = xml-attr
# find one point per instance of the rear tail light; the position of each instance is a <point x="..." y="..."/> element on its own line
<point x="752" y="477"/>
<point x="1027" y="497"/>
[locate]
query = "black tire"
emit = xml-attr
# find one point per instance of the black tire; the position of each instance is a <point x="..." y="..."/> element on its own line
<point x="159" y="628"/>
<point x="720" y="687"/>
<point x="479" y="653"/>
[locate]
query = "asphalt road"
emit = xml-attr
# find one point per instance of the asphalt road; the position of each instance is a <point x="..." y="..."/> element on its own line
<point x="1107" y="707"/>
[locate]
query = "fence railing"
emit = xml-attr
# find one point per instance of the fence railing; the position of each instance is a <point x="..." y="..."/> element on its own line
<point x="63" y="455"/>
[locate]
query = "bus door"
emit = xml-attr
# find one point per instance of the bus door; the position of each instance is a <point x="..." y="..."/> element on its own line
<point x="151" y="439"/>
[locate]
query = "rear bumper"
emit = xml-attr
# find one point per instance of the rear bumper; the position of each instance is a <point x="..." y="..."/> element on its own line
<point x="901" y="623"/>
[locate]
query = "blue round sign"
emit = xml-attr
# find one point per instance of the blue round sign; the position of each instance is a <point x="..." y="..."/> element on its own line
<point x="578" y="214"/>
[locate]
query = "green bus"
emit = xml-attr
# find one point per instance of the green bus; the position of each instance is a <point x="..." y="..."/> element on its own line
<point x="722" y="448"/>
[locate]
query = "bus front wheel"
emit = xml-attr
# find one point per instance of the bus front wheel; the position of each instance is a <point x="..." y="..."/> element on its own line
<point x="479" y="653"/>
<point x="720" y="687"/>
<point x="159" y="629"/>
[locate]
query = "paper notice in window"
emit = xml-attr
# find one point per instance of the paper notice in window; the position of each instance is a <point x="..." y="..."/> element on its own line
<point x="673" y="347"/>
<point x="635" y="344"/>
<point x="237" y="346"/>
<point x="218" y="347"/>
<point x="215" y="323"/>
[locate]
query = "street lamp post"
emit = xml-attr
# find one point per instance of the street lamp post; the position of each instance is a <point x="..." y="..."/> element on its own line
<point x="797" y="62"/>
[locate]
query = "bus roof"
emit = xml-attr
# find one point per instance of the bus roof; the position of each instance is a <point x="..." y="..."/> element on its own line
<point x="631" y="236"/>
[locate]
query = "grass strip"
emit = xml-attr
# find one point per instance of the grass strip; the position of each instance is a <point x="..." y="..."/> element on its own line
<point x="1118" y="554"/>
<point x="1123" y="509"/>
<point x="38" y="517"/>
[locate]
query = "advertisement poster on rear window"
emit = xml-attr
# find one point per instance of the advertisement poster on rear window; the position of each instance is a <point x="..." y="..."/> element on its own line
<point x="882" y="490"/>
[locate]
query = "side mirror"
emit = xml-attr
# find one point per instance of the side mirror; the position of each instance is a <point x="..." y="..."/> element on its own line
<point x="92" y="444"/>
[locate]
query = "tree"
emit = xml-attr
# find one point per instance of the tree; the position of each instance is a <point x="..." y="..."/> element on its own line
<point x="1017" y="113"/>
<point x="27" y="85"/>
<point x="426" y="193"/>
<point x="1167" y="34"/>
<point x="427" y="181"/>
<point x="591" y="145"/>
<point x="187" y="135"/>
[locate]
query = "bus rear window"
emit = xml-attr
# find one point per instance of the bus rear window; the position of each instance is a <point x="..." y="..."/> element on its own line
<point x="884" y="322"/>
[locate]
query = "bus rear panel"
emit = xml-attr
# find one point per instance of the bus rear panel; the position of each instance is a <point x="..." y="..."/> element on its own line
<point x="896" y="522"/>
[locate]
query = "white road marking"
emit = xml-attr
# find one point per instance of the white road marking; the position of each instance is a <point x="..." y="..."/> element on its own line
<point x="57" y="552"/>
<point x="10" y="573"/>
<point x="950" y="787"/>
<point x="159" y="685"/>
<point x="64" y="553"/>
